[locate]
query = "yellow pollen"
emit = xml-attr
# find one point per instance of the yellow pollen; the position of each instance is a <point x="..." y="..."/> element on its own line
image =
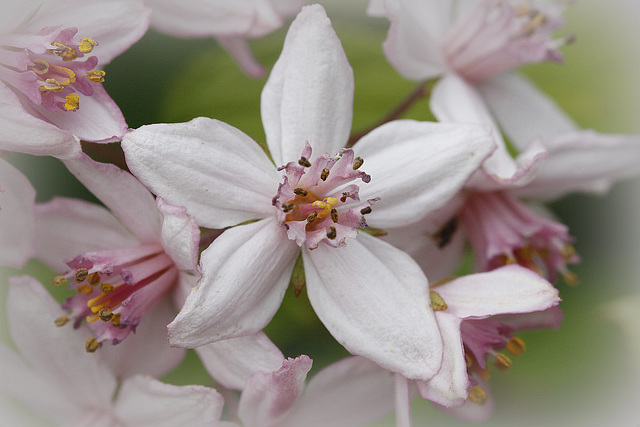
<point x="477" y="395"/>
<point x="65" y="52"/>
<point x="106" y="315"/>
<point x="85" y="289"/>
<point x="61" y="321"/>
<point x="96" y="76"/>
<point x="87" y="44"/>
<point x="437" y="303"/>
<point x="59" y="280"/>
<point x="468" y="360"/>
<point x="91" y="345"/>
<point x="51" y="85"/>
<point x="326" y="205"/>
<point x="107" y="287"/>
<point x="502" y="362"/>
<point x="81" y="274"/>
<point x="40" y="66"/>
<point x="64" y="70"/>
<point x="115" y="320"/>
<point x="93" y="278"/>
<point x="72" y="102"/>
<point x="515" y="346"/>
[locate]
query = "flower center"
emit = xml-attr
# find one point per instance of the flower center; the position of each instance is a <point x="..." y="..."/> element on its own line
<point x="504" y="231"/>
<point x="117" y="287"/>
<point x="318" y="202"/>
<point x="48" y="67"/>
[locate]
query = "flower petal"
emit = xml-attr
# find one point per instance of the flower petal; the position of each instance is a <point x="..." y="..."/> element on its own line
<point x="144" y="401"/>
<point x="509" y="289"/>
<point x="268" y="396"/>
<point x="373" y="299"/>
<point x="473" y="412"/>
<point x="351" y="392"/>
<point x="180" y="235"/>
<point x="231" y="362"/>
<point x="416" y="167"/>
<point x="129" y="201"/>
<point x="309" y="94"/>
<point x="17" y="217"/>
<point x="217" y="172"/>
<point x="245" y="273"/>
<point x="241" y="51"/>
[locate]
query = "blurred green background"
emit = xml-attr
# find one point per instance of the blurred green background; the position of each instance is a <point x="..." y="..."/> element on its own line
<point x="586" y="372"/>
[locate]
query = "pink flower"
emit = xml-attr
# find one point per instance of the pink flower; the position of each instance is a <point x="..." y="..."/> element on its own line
<point x="50" y="78"/>
<point x="364" y="290"/>
<point x="231" y="23"/>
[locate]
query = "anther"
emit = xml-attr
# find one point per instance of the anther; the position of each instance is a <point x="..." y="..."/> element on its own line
<point x="105" y="315"/>
<point x="468" y="360"/>
<point x="87" y="44"/>
<point x="437" y="303"/>
<point x="331" y="232"/>
<point x="502" y="362"/>
<point x="115" y="320"/>
<point x="51" y="85"/>
<point x="324" y="174"/>
<point x="567" y="252"/>
<point x="312" y="217"/>
<point x="91" y="345"/>
<point x="357" y="162"/>
<point x="96" y="76"/>
<point x="571" y="278"/>
<point x="106" y="288"/>
<point x="334" y="215"/>
<point x="286" y="207"/>
<point x="365" y="211"/>
<point x="477" y="395"/>
<point x="40" y="66"/>
<point x="61" y="321"/>
<point x="515" y="346"/>
<point x="85" y="289"/>
<point x="300" y="191"/>
<point x="65" y="52"/>
<point x="72" y="102"/>
<point x="344" y="197"/>
<point x="59" y="280"/>
<point x="93" y="278"/>
<point x="81" y="274"/>
<point x="304" y="162"/>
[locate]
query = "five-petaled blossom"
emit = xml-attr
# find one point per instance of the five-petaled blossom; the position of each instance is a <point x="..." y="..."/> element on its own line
<point x="372" y="297"/>
<point x="51" y="54"/>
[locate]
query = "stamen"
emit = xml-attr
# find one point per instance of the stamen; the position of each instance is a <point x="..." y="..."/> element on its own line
<point x="437" y="303"/>
<point x="357" y="162"/>
<point x="91" y="345"/>
<point x="93" y="278"/>
<point x="115" y="320"/>
<point x="502" y="362"/>
<point x="107" y="287"/>
<point x="96" y="76"/>
<point x="344" y="197"/>
<point x="334" y="215"/>
<point x="65" y="52"/>
<point x="40" y="66"/>
<point x="571" y="278"/>
<point x="105" y="315"/>
<point x="72" y="102"/>
<point x="515" y="346"/>
<point x="85" y="289"/>
<point x="324" y="174"/>
<point x="331" y="233"/>
<point x="477" y="395"/>
<point x="87" y="44"/>
<point x="59" y="280"/>
<point x="286" y="207"/>
<point x="468" y="360"/>
<point x="300" y="192"/>
<point x="51" y="85"/>
<point x="312" y="217"/>
<point x="304" y="162"/>
<point x="81" y="274"/>
<point x="567" y="252"/>
<point x="61" y="321"/>
<point x="365" y="211"/>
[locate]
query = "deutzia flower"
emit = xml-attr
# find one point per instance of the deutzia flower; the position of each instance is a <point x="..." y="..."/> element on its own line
<point x="371" y="296"/>
<point x="50" y="77"/>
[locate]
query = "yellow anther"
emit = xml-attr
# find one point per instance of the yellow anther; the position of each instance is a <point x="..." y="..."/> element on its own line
<point x="59" y="280"/>
<point x="437" y="303"/>
<point x="331" y="200"/>
<point x="502" y="362"/>
<point x="515" y="346"/>
<point x="468" y="360"/>
<point x="87" y="45"/>
<point x="331" y="233"/>
<point x="93" y="278"/>
<point x="91" y="345"/>
<point x="85" y="289"/>
<point x="115" y="320"/>
<point x="567" y="252"/>
<point x="477" y="395"/>
<point x="51" y="85"/>
<point x="70" y="75"/>
<point x="106" y="315"/>
<point x="570" y="278"/>
<point x="96" y="76"/>
<point x="61" y="321"/>
<point x="65" y="52"/>
<point x="505" y="259"/>
<point x="72" y="102"/>
<point x="357" y="162"/>
<point x="40" y="66"/>
<point x="107" y="287"/>
<point x="81" y="274"/>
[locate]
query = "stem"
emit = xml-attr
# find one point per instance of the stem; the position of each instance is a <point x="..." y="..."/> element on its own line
<point x="422" y="91"/>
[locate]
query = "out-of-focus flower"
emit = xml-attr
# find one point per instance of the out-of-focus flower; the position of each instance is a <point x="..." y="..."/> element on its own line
<point x="17" y="217"/>
<point x="50" y="77"/>
<point x="366" y="291"/>
<point x="232" y="23"/>
<point x="50" y="381"/>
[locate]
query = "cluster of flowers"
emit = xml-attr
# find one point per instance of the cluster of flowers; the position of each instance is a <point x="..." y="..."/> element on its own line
<point x="206" y="228"/>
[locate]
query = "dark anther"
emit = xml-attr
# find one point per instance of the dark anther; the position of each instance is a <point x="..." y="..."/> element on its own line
<point x="357" y="162"/>
<point x="312" y="217"/>
<point x="331" y="233"/>
<point x="304" y="162"/>
<point x="286" y="207"/>
<point x="334" y="215"/>
<point x="366" y="210"/>
<point x="300" y="192"/>
<point x="324" y="174"/>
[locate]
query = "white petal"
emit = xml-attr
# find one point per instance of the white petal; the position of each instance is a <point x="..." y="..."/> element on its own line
<point x="241" y="51"/>
<point x="351" y="392"/>
<point x="218" y="173"/>
<point x="309" y="94"/>
<point x="144" y="401"/>
<point x="180" y="235"/>
<point x="416" y="167"/>
<point x="17" y="217"/>
<point x="245" y="273"/>
<point x="231" y="362"/>
<point x="509" y="289"/>
<point x="121" y="192"/>
<point x="373" y="298"/>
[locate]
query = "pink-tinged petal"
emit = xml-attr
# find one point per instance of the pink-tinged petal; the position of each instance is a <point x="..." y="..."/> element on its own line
<point x="69" y="227"/>
<point x="217" y="172"/>
<point x="180" y="235"/>
<point x="17" y="217"/>
<point x="121" y="192"/>
<point x="23" y="132"/>
<point x="98" y="119"/>
<point x="309" y="94"/>
<point x="509" y="289"/>
<point x="450" y="386"/>
<point x="268" y="396"/>
<point x="523" y="111"/>
<point x="144" y="401"/>
<point x="413" y="44"/>
<point x="351" y="392"/>
<point x="241" y="51"/>
<point x="549" y="318"/>
<point x="584" y="161"/>
<point x="31" y="312"/>
<point x="231" y="362"/>
<point x="245" y="273"/>
<point x="115" y="25"/>
<point x="147" y="351"/>
<point x="373" y="298"/>
<point x="473" y="412"/>
<point x="403" y="402"/>
<point x="416" y="167"/>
